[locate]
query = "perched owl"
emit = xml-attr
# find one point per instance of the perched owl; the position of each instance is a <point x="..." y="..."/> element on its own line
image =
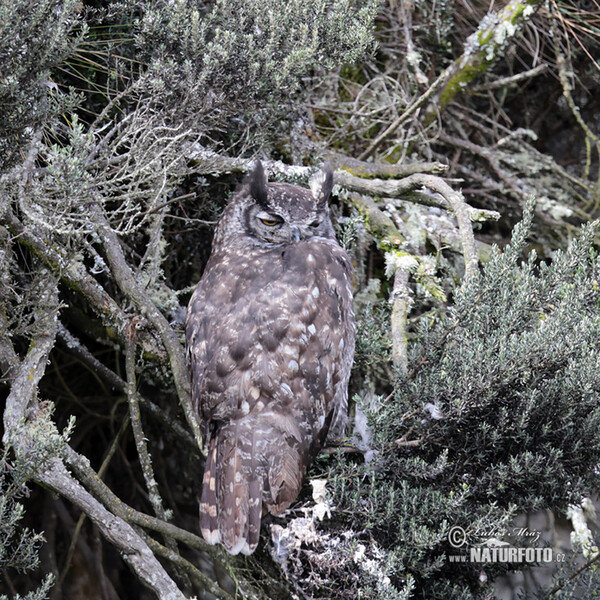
<point x="270" y="341"/>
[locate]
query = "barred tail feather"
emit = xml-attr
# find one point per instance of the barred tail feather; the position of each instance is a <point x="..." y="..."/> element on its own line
<point x="233" y="497"/>
<point x="240" y="491"/>
<point x="255" y="493"/>
<point x="209" y="524"/>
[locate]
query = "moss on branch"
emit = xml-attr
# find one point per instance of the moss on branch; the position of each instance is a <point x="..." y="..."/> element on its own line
<point x="482" y="49"/>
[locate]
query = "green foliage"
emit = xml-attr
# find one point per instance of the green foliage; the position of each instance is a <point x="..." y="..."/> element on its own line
<point x="513" y="370"/>
<point x="19" y="546"/>
<point x="566" y="586"/>
<point x="500" y="413"/>
<point x="246" y="60"/>
<point x="34" y="38"/>
<point x="373" y="346"/>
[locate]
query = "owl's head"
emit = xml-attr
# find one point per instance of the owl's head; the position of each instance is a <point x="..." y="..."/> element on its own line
<point x="280" y="213"/>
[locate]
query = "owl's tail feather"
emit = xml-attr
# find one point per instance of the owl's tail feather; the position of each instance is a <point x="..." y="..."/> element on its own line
<point x="234" y="484"/>
<point x="209" y="524"/>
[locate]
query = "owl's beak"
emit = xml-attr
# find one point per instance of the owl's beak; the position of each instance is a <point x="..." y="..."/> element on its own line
<point x="296" y="234"/>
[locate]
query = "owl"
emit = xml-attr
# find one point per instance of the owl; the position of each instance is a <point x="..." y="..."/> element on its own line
<point x="270" y="342"/>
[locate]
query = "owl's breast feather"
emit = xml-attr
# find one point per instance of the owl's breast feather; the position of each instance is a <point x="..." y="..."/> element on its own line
<point x="276" y="332"/>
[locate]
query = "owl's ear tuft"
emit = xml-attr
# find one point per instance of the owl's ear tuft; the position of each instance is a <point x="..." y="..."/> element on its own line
<point x="256" y="181"/>
<point x="321" y="184"/>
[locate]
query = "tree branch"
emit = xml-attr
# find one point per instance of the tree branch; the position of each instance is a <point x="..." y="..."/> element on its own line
<point x="481" y="49"/>
<point x="129" y="285"/>
<point x="136" y="424"/>
<point x="401" y="303"/>
<point x="26" y="376"/>
<point x="81" y="466"/>
<point x="119" y="533"/>
<point x="412" y="178"/>
<point x="405" y="188"/>
<point x="370" y="170"/>
<point x="30" y="439"/>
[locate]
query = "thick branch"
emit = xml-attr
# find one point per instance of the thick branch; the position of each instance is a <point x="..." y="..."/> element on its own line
<point x="132" y="548"/>
<point x="405" y="188"/>
<point x="377" y="222"/>
<point x="369" y="170"/>
<point x="90" y="479"/>
<point x="401" y="302"/>
<point x="461" y="210"/>
<point x="26" y="377"/>
<point x="412" y="177"/>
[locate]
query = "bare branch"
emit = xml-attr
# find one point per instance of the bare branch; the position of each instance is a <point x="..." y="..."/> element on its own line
<point x="403" y="188"/>
<point x="133" y="549"/>
<point x="413" y="177"/>
<point x="25" y="435"/>
<point x="136" y="424"/>
<point x="512" y="79"/>
<point x="370" y="170"/>
<point x="134" y="290"/>
<point x="406" y="115"/>
<point x="401" y="303"/>
<point x="26" y="377"/>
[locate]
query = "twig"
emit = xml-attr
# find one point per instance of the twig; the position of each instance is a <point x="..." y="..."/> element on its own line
<point x="490" y="156"/>
<point x="139" y="438"/>
<point x="410" y="110"/>
<point x="136" y="424"/>
<point x="504" y="81"/>
<point x="590" y="136"/>
<point x="412" y="56"/>
<point x="74" y="274"/>
<point x="574" y="575"/>
<point x="126" y="280"/>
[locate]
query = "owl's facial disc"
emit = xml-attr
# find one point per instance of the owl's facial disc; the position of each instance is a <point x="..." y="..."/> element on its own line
<point x="285" y="215"/>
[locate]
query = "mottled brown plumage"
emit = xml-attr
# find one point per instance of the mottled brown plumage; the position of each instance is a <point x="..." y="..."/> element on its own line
<point x="270" y="340"/>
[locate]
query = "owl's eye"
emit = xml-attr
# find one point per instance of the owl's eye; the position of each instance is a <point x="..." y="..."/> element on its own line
<point x="315" y="223"/>
<point x="270" y="222"/>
